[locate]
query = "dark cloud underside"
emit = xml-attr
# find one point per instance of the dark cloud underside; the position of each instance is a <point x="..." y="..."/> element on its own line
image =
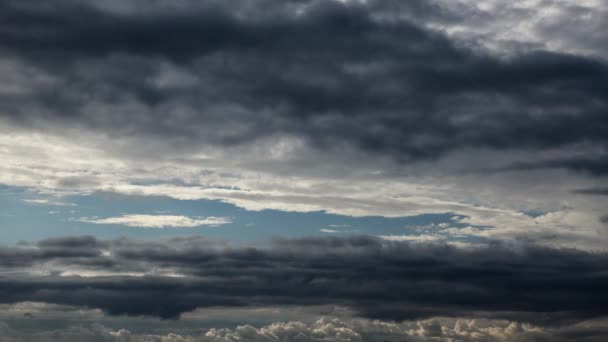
<point x="378" y="279"/>
<point x="332" y="73"/>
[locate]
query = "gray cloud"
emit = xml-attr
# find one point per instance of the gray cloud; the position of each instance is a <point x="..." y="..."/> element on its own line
<point x="76" y="247"/>
<point x="335" y="74"/>
<point x="593" y="165"/>
<point x="354" y="107"/>
<point x="330" y="329"/>
<point x="592" y="191"/>
<point x="378" y="279"/>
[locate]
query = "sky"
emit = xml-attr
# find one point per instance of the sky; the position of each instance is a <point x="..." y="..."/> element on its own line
<point x="303" y="170"/>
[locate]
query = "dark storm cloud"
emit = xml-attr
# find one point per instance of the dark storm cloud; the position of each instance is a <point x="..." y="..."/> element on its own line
<point x="76" y="29"/>
<point x="336" y="74"/>
<point x="590" y="164"/>
<point x="60" y="248"/>
<point x="592" y="191"/>
<point x="378" y="279"/>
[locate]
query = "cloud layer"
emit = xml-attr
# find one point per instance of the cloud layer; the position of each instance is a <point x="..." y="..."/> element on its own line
<point x="351" y="107"/>
<point x="332" y="73"/>
<point x="328" y="329"/>
<point x="376" y="278"/>
<point x="492" y="114"/>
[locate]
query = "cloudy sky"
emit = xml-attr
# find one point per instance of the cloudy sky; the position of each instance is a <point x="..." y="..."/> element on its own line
<point x="303" y="170"/>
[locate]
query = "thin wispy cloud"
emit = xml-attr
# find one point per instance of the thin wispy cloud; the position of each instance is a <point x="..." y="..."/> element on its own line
<point x="158" y="221"/>
<point x="49" y="202"/>
<point x="330" y="231"/>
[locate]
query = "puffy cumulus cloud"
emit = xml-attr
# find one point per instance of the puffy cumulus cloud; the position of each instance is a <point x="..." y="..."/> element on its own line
<point x="363" y="330"/>
<point x="332" y="329"/>
<point x="158" y="221"/>
<point x="373" y="277"/>
<point x="288" y="331"/>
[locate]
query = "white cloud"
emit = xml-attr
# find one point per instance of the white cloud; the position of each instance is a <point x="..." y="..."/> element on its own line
<point x="44" y="201"/>
<point x="159" y="221"/>
<point x="81" y="165"/>
<point x="329" y="231"/>
<point x="418" y="238"/>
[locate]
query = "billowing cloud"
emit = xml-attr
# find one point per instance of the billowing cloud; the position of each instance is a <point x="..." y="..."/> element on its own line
<point x="158" y="221"/>
<point x="427" y="330"/>
<point x="332" y="73"/>
<point x="331" y="329"/>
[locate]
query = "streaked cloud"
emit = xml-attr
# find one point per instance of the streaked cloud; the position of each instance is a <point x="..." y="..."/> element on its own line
<point x="329" y="231"/>
<point x="46" y="201"/>
<point x="411" y="237"/>
<point x="158" y="221"/>
<point x="375" y="278"/>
